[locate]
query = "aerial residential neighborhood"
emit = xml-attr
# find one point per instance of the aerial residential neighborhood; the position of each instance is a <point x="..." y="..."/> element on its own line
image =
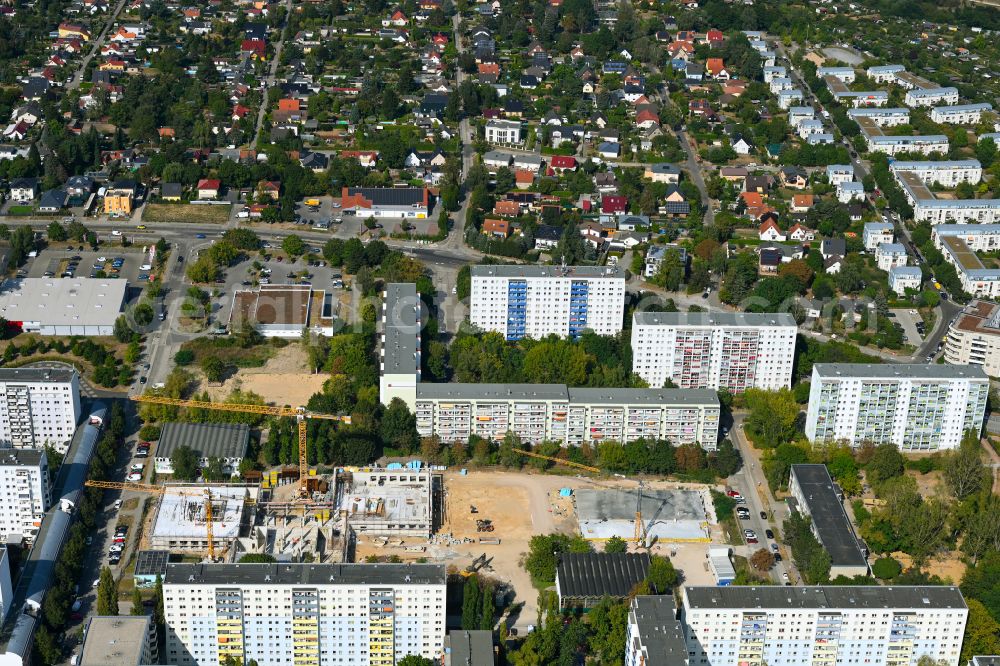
<point x="439" y="333"/>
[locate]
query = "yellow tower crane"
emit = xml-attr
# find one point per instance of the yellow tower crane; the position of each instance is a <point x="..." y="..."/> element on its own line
<point x="300" y="414"/>
<point x="166" y="490"/>
<point x="559" y="461"/>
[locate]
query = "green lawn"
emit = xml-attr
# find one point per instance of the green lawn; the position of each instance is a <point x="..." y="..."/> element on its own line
<point x="189" y="213"/>
<point x="21" y="210"/>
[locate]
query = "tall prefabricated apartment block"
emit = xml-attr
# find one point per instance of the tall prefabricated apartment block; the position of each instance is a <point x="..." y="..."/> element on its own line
<point x="823" y="626"/>
<point x="25" y="492"/>
<point x="655" y="636"/>
<point x="303" y="614"/>
<point x="536" y="301"/>
<point x="570" y="416"/>
<point x="38" y="406"/>
<point x="916" y="407"/>
<point x="720" y="350"/>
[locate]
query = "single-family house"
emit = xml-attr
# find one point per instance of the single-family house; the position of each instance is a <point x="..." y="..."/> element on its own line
<point x="793" y="177"/>
<point x="208" y="188"/>
<point x="771" y="232"/>
<point x="24" y="189"/>
<point x="801" y="203"/>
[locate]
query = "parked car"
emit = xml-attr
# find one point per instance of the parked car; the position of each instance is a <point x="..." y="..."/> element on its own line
<point x="134" y="477"/>
<point x="769" y="534"/>
<point x="117" y="505"/>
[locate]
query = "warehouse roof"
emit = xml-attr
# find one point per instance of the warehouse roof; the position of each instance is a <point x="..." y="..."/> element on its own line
<point x="207" y="440"/>
<point x="659" y="630"/>
<point x="828" y="515"/>
<point x="825" y="597"/>
<point x="62" y="301"/>
<point x="600" y="574"/>
<point x="713" y="319"/>
<point x="898" y="371"/>
<point x="305" y="574"/>
<point x="400" y="329"/>
<point x="469" y="648"/>
<point x="534" y="271"/>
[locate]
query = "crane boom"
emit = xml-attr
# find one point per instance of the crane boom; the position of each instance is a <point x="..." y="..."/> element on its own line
<point x="560" y="461"/>
<point x="299" y="413"/>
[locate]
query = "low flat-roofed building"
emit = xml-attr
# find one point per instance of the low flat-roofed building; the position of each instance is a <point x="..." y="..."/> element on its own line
<point x="387" y="502"/>
<point x="148" y="565"/>
<point x="399" y="348"/>
<point x="819" y="498"/>
<point x="469" y="648"/>
<point x="283" y="310"/>
<point x="226" y="441"/>
<point x="655" y="636"/>
<point x="63" y="306"/>
<point x="583" y="579"/>
<point x="128" y="640"/>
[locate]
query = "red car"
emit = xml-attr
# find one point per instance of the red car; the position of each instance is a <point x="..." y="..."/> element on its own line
<point x="76" y="617"/>
<point x="733" y="493"/>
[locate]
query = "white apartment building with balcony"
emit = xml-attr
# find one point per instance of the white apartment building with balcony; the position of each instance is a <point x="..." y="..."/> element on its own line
<point x="25" y="491"/>
<point x="974" y="337"/>
<point x="522" y="301"/>
<point x="930" y="96"/>
<point x="877" y="233"/>
<point x="303" y="614"/>
<point x="883" y="117"/>
<point x="960" y="114"/>
<point x="890" y="255"/>
<point x="948" y="173"/>
<point x="827" y="625"/>
<point x="845" y="74"/>
<point x="885" y="73"/>
<point x="504" y="132"/>
<point x="6" y="586"/>
<point x="893" y="145"/>
<point x="916" y="407"/>
<point x="977" y="237"/>
<point x="570" y="416"/>
<point x="39" y="406"/>
<point x="718" y="350"/>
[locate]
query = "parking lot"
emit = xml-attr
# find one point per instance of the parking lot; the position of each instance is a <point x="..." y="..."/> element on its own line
<point x="909" y="320"/>
<point x="349" y="226"/>
<point x="245" y="276"/>
<point x="115" y="262"/>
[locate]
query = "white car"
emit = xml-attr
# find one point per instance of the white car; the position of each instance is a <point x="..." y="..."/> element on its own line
<point x="102" y="260"/>
<point x="117" y="505"/>
<point x="134" y="477"/>
<point x="116" y="232"/>
<point x="96" y="583"/>
<point x="137" y="467"/>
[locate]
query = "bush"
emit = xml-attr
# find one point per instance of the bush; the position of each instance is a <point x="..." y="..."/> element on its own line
<point x="184" y="357"/>
<point x="149" y="433"/>
<point x="886" y="568"/>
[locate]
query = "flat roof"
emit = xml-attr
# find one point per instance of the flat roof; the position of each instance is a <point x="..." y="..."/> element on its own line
<point x="915" y="186"/>
<point x="535" y="271"/>
<point x="898" y="371"/>
<point x="826" y="597"/>
<point x="400" y="329"/>
<point x="469" y="648"/>
<point x="600" y="574"/>
<point x="562" y="393"/>
<point x="891" y="248"/>
<point x="273" y="304"/>
<point x="305" y="574"/>
<point x="636" y="396"/>
<point x="21" y="457"/>
<point x="207" y="440"/>
<point x="905" y="271"/>
<point x="659" y="630"/>
<point x="713" y="319"/>
<point x="183" y="516"/>
<point x="925" y="138"/>
<point x="60" y="375"/>
<point x="828" y="515"/>
<point x="115" y="640"/>
<point x="878" y="111"/>
<point x="932" y="92"/>
<point x="959" y="250"/>
<point x="63" y="301"/>
<point x="151" y="562"/>
<point x="878" y="226"/>
<point x="943" y="230"/>
<point x="962" y="203"/>
<point x="914" y="80"/>
<point x="940" y="165"/>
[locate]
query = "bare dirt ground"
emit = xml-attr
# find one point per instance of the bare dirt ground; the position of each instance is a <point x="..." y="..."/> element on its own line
<point x="929" y="484"/>
<point x="285" y="379"/>
<point x="948" y="566"/>
<point x="520" y="506"/>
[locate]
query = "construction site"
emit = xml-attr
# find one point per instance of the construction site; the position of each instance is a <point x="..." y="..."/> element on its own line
<point x="181" y="516"/>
